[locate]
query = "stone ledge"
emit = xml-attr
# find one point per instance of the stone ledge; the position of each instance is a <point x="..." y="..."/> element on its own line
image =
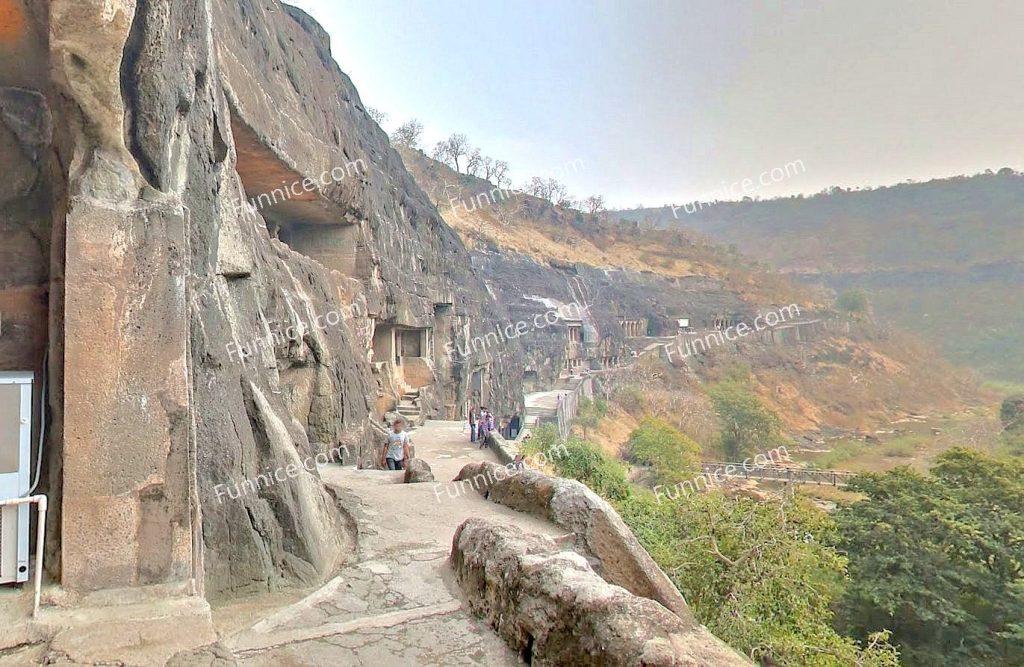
<point x="599" y="531"/>
<point x="553" y="609"/>
<point x="507" y="450"/>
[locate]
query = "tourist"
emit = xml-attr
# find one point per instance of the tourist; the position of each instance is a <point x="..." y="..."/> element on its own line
<point x="396" y="453"/>
<point x="472" y="425"/>
<point x="484" y="428"/>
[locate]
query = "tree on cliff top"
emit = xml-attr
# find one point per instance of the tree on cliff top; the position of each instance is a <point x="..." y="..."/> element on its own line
<point x="376" y="115"/>
<point x="451" y="149"/>
<point x="408" y="134"/>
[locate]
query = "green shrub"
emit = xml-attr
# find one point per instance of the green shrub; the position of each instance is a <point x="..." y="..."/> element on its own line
<point x="747" y="425"/>
<point x="580" y="460"/>
<point x="852" y="301"/>
<point x="672" y="455"/>
<point x="937" y="559"/>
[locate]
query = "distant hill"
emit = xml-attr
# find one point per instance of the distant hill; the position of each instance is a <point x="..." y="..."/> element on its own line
<point x="944" y="259"/>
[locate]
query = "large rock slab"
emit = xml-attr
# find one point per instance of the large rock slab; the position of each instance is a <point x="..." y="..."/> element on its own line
<point x="600" y="533"/>
<point x="551" y="607"/>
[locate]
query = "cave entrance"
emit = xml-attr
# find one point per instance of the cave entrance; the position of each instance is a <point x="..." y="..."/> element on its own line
<point x="634" y="328"/>
<point x="295" y="207"/>
<point x="334" y="246"/>
<point x="412" y="342"/>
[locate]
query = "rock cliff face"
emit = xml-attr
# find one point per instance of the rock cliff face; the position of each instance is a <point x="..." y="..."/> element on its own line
<point x="600" y="302"/>
<point x="243" y="277"/>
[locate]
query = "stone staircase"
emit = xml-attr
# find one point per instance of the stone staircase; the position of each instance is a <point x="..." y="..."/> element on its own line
<point x="408" y="407"/>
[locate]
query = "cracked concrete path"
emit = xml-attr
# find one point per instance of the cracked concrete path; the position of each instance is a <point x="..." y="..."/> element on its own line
<point x="397" y="603"/>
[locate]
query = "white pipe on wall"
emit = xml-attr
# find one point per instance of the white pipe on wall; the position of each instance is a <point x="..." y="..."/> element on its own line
<point x="40" y="500"/>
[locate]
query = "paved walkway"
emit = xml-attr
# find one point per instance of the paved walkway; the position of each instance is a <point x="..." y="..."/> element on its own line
<point x="397" y="604"/>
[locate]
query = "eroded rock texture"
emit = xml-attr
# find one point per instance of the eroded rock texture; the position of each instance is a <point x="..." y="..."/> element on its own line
<point x="198" y="345"/>
<point x="598" y="532"/>
<point x="552" y="608"/>
<point x="609" y="306"/>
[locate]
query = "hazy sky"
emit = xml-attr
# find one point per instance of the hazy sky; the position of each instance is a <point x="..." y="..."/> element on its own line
<point x="664" y="101"/>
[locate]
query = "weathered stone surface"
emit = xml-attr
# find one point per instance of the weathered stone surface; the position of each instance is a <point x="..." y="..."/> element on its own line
<point x="214" y="655"/>
<point x="552" y="608"/>
<point x="601" y="298"/>
<point x="129" y="519"/>
<point x="418" y="470"/>
<point x="600" y="533"/>
<point x="300" y="115"/>
<point x="198" y="348"/>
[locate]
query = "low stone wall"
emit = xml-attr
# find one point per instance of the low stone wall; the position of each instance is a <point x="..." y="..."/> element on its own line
<point x="507" y="450"/>
<point x="553" y="609"/>
<point x="599" y="531"/>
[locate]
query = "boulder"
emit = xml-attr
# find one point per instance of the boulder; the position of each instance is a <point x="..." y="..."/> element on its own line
<point x="418" y="470"/>
<point x="551" y="607"/>
<point x="599" y="531"/>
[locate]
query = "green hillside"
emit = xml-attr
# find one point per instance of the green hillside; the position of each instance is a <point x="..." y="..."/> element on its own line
<point x="944" y="259"/>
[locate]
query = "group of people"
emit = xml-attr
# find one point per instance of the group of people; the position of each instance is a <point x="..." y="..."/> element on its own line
<point x="396" y="452"/>
<point x="482" y="422"/>
<point x="480" y="425"/>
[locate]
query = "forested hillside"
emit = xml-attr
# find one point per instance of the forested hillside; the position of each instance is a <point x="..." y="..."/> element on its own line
<point x="944" y="259"/>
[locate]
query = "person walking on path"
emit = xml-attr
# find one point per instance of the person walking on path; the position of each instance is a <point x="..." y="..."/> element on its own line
<point x="396" y="453"/>
<point x="484" y="427"/>
<point x="472" y="425"/>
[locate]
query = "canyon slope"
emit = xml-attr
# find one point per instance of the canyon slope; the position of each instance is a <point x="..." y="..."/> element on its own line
<point x="826" y="372"/>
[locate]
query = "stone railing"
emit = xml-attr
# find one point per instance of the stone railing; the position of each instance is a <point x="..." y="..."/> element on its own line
<point x="568" y="406"/>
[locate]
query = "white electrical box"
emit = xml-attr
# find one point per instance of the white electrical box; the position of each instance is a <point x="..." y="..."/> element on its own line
<point x="15" y="473"/>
